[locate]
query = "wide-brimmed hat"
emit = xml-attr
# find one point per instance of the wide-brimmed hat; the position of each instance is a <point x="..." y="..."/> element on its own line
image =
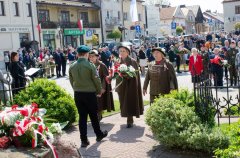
<point x="159" y="49"/>
<point x="94" y="52"/>
<point x="124" y="45"/>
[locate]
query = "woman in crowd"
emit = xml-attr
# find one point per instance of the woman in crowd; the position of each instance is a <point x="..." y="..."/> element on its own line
<point x="142" y="60"/>
<point x="161" y="76"/>
<point x="17" y="72"/>
<point x="129" y="92"/>
<point x="105" y="102"/>
<point x="6" y="60"/>
<point x="195" y="66"/>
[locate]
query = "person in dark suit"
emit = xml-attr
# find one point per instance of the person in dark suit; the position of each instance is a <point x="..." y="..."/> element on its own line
<point x="17" y="72"/>
<point x="64" y="61"/>
<point x="58" y="62"/>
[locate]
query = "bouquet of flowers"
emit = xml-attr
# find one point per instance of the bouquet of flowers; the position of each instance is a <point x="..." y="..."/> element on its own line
<point x="219" y="61"/>
<point x="183" y="51"/>
<point x="24" y="126"/>
<point x="120" y="71"/>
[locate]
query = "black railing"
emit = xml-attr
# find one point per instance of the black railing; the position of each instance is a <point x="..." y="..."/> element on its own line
<point x="225" y="99"/>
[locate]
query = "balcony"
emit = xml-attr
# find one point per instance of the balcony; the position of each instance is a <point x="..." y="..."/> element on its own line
<point x="54" y="25"/>
<point x="112" y="22"/>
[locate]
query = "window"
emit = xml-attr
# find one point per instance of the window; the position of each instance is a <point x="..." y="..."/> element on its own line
<point x="29" y="9"/>
<point x="119" y="15"/>
<point x="23" y="37"/>
<point x="139" y="17"/>
<point x="43" y="16"/>
<point x="65" y="16"/>
<point x="15" y="9"/>
<point x="237" y="9"/>
<point x="84" y="17"/>
<point x="125" y="16"/>
<point x="2" y="11"/>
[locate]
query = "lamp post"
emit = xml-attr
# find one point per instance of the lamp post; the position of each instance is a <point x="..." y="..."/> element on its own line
<point x="121" y="29"/>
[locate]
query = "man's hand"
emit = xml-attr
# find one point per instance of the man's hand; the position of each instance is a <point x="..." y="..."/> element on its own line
<point x="144" y="92"/>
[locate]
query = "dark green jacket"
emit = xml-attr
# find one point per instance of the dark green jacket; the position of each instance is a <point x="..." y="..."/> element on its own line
<point x="83" y="77"/>
<point x="231" y="56"/>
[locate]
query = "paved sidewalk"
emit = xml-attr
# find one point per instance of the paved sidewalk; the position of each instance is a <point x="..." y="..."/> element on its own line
<point x="121" y="142"/>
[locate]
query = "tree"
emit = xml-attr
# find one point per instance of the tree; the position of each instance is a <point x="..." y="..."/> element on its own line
<point x="237" y="26"/>
<point x="179" y="30"/>
<point x="115" y="34"/>
<point x="93" y="41"/>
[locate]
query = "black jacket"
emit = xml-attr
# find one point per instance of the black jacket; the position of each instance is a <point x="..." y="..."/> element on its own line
<point x="17" y="73"/>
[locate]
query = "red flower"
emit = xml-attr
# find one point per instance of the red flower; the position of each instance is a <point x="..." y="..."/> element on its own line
<point x="34" y="105"/>
<point x="14" y="107"/>
<point x="24" y="112"/>
<point x="40" y="129"/>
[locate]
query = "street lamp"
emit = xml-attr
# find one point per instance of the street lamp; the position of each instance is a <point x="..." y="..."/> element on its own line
<point x="121" y="29"/>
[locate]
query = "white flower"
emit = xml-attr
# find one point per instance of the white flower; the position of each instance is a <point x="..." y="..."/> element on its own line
<point x="131" y="69"/>
<point x="123" y="68"/>
<point x="56" y="128"/>
<point x="225" y="62"/>
<point x="10" y="118"/>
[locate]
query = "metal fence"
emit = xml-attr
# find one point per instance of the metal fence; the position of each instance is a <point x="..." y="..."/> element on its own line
<point x="225" y="99"/>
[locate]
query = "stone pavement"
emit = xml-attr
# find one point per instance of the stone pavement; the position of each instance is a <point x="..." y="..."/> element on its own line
<point x="121" y="142"/>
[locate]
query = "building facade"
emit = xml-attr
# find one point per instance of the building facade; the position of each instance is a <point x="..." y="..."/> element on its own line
<point x="153" y="21"/>
<point x="130" y="32"/>
<point x="59" y="22"/>
<point x="199" y="19"/>
<point x="214" y="22"/>
<point x="231" y="10"/>
<point x="16" y="28"/>
<point x="189" y="21"/>
<point x="170" y="18"/>
<point x="111" y="15"/>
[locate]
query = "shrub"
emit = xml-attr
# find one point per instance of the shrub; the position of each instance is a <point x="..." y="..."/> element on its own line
<point x="176" y="125"/>
<point x="233" y="150"/>
<point x="206" y="113"/>
<point x="47" y="94"/>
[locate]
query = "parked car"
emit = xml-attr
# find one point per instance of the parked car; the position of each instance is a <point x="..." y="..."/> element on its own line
<point x="109" y="44"/>
<point x="137" y="42"/>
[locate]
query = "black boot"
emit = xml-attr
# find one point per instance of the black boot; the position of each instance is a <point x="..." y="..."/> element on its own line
<point x="85" y="143"/>
<point x="103" y="135"/>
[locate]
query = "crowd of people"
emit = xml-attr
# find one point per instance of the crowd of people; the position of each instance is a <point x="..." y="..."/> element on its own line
<point x="206" y="57"/>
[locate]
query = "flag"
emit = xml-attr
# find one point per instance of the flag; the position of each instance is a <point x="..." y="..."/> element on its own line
<point x="80" y="25"/>
<point x="39" y="27"/>
<point x="133" y="11"/>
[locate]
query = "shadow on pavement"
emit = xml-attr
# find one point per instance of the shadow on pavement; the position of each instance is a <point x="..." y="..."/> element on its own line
<point x="162" y="151"/>
<point x="127" y="135"/>
<point x="91" y="151"/>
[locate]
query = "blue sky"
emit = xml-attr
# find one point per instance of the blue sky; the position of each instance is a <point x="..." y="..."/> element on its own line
<point x="205" y="4"/>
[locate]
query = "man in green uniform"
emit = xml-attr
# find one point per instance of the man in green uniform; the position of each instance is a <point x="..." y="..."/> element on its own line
<point x="86" y="84"/>
<point x="231" y="56"/>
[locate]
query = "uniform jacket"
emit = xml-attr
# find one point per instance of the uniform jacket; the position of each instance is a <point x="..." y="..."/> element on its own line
<point x="231" y="56"/>
<point x="105" y="102"/>
<point x="130" y="93"/>
<point x="197" y="67"/>
<point x="83" y="77"/>
<point x="162" y="78"/>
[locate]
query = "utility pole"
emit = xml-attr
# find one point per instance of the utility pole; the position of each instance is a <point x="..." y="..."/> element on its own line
<point x="33" y="31"/>
<point x="101" y="20"/>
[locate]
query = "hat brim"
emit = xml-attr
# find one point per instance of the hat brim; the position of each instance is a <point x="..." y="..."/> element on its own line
<point x="125" y="48"/>
<point x="159" y="51"/>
